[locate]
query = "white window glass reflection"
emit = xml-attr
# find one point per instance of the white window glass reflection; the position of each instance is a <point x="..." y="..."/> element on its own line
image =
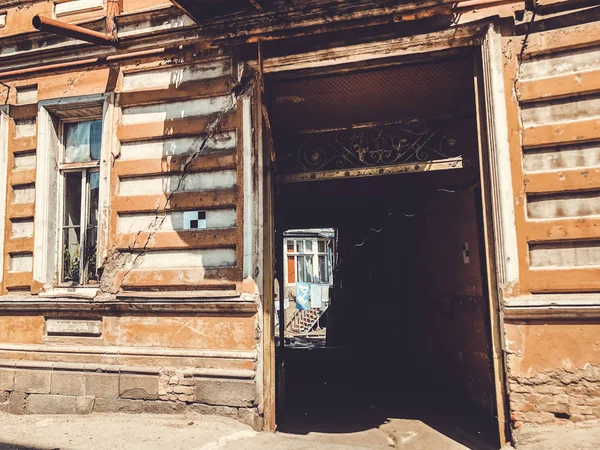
<point x="83" y="141"/>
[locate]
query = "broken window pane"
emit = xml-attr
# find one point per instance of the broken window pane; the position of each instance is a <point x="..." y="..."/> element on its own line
<point x="300" y="246"/>
<point x="83" y="141"/>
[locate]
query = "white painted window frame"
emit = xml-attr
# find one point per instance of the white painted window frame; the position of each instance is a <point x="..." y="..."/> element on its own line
<point x="4" y="136"/>
<point x="66" y="7"/>
<point x="503" y="209"/>
<point x="46" y="256"/>
<point x="315" y="252"/>
<point x="249" y="262"/>
<point x="83" y="168"/>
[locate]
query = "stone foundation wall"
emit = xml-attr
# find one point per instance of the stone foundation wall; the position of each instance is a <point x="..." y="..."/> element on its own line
<point x="28" y="391"/>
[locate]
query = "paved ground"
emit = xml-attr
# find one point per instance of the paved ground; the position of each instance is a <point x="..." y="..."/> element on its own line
<point x="582" y="436"/>
<point x="197" y="432"/>
<point x="149" y="432"/>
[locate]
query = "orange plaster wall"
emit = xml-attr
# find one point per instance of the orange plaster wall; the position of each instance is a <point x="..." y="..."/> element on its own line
<point x="22" y="330"/>
<point x="18" y="18"/>
<point x="208" y="332"/>
<point x="72" y="84"/>
<point x="535" y="348"/>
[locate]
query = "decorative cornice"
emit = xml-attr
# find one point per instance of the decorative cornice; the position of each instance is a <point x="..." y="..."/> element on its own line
<point x="135" y="36"/>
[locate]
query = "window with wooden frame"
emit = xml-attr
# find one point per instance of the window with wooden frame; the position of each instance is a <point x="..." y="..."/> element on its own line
<point x="79" y="185"/>
<point x="308" y="260"/>
<point x="76" y="138"/>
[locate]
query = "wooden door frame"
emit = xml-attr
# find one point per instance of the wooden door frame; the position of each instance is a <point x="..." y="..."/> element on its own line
<point x="500" y="238"/>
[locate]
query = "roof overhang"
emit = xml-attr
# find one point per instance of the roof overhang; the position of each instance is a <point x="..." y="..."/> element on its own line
<point x="201" y="10"/>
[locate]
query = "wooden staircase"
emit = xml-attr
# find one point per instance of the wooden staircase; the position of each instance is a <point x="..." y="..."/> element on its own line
<point x="305" y="321"/>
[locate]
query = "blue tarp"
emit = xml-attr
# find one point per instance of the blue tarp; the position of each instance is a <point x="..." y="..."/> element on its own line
<point x="302" y="296"/>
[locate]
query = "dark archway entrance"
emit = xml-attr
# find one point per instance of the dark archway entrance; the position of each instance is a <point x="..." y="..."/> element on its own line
<point x="389" y="158"/>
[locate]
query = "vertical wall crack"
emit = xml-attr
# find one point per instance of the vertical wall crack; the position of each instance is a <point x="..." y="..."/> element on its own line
<point x="212" y="129"/>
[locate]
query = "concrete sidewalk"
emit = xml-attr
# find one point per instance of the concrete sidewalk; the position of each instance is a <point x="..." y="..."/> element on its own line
<point x="191" y="431"/>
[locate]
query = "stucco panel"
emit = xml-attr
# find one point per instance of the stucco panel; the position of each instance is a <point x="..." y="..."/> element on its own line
<point x="21" y="330"/>
<point x="547" y="347"/>
<point x="84" y="82"/>
<point x="209" y="332"/>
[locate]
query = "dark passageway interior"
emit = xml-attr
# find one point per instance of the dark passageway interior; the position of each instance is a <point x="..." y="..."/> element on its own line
<point x="407" y="326"/>
<point x="407" y="331"/>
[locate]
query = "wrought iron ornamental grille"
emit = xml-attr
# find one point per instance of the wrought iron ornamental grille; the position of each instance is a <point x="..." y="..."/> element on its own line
<point x="397" y="115"/>
<point x="414" y="141"/>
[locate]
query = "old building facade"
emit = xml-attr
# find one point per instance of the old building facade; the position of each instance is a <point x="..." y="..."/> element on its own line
<point x="138" y="174"/>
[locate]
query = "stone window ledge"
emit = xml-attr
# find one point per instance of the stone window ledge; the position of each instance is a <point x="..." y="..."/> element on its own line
<point x="566" y="306"/>
<point x="77" y="293"/>
<point x="566" y="299"/>
<point x="126" y="303"/>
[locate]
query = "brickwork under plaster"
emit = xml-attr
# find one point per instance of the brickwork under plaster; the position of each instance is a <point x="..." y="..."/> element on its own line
<point x="553" y="374"/>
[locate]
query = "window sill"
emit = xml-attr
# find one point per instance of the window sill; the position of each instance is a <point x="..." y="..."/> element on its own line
<point x="541" y="300"/>
<point x="86" y="293"/>
<point x="566" y="306"/>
